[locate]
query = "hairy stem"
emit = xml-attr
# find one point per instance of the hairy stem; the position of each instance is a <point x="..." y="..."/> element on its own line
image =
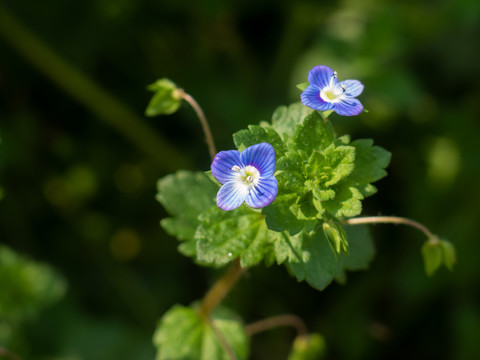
<point x="203" y="120"/>
<point x="277" y="321"/>
<point x="391" y="220"/>
<point x="220" y="289"/>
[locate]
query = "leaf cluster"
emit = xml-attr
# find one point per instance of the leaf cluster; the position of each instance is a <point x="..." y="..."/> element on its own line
<point x="322" y="180"/>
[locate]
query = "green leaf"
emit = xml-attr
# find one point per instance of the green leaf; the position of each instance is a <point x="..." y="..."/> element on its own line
<point x="330" y="166"/>
<point x="256" y="134"/>
<point x="185" y="195"/>
<point x="225" y="235"/>
<point x="321" y="266"/>
<point x="26" y="286"/>
<point x="285" y="214"/>
<point x="313" y="134"/>
<point x="302" y="86"/>
<point x="166" y="99"/>
<point x="449" y="254"/>
<point x="183" y="334"/>
<point x="346" y="202"/>
<point x="285" y="119"/>
<point x="308" y="347"/>
<point x="432" y="256"/>
<point x="370" y="164"/>
<point x="289" y="248"/>
<point x="212" y="178"/>
<point x="361" y="249"/>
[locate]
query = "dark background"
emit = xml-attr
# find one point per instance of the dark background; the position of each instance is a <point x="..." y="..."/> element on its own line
<point x="79" y="169"/>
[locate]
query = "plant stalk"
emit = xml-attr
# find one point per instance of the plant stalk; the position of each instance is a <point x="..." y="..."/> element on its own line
<point x="391" y="220"/>
<point x="221" y="288"/>
<point x="203" y="121"/>
<point x="277" y="321"/>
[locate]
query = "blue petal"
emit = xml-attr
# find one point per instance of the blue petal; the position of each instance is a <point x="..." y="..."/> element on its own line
<point x="263" y="194"/>
<point x="352" y="87"/>
<point x="261" y="156"/>
<point x="222" y="165"/>
<point x="320" y="76"/>
<point x="231" y="195"/>
<point x="311" y="98"/>
<point x="348" y="107"/>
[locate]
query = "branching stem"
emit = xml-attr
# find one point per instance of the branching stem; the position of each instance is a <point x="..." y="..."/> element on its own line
<point x="391" y="220"/>
<point x="203" y="120"/>
<point x="277" y="321"/>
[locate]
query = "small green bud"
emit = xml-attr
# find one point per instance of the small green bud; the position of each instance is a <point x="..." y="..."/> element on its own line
<point x="437" y="252"/>
<point x="166" y="100"/>
<point x="336" y="236"/>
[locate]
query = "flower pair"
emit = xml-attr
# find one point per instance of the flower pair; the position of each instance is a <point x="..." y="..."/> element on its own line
<point x="247" y="176"/>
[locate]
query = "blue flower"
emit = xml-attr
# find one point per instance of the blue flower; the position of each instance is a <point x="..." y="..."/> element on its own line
<point x="325" y="92"/>
<point x="246" y="176"/>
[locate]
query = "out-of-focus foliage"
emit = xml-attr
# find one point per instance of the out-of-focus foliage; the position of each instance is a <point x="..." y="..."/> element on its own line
<point x="79" y="196"/>
<point x="308" y="347"/>
<point x="26" y="286"/>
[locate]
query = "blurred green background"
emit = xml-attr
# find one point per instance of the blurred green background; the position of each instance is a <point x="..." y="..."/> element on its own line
<point x="79" y="164"/>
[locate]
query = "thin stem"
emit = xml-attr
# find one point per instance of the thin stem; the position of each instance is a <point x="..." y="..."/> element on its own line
<point x="220" y="289"/>
<point x="203" y="120"/>
<point x="8" y="354"/>
<point x="276" y="321"/>
<point x="84" y="90"/>
<point x="391" y="220"/>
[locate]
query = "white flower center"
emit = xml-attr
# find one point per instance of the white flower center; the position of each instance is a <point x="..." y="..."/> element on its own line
<point x="333" y="92"/>
<point x="248" y="175"/>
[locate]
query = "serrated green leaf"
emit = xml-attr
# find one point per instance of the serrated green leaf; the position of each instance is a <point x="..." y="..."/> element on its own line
<point x="256" y="134"/>
<point x="361" y="249"/>
<point x="449" y="254"/>
<point x="341" y="160"/>
<point x="182" y="334"/>
<point x="370" y="164"/>
<point x="185" y="195"/>
<point x="313" y="134"/>
<point x="432" y="257"/>
<point x="285" y="119"/>
<point x="290" y="172"/>
<point x="225" y="235"/>
<point x="322" y="264"/>
<point x="166" y="99"/>
<point x="286" y="214"/>
<point x="289" y="248"/>
<point x="319" y="265"/>
<point x="346" y="202"/>
<point x="308" y="347"/>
